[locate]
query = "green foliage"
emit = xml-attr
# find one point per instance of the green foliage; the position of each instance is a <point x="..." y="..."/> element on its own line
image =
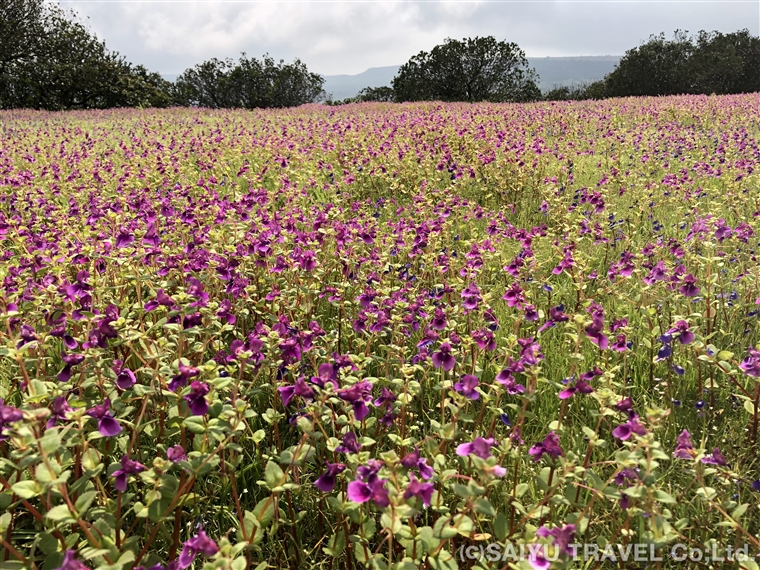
<point x="366" y="95"/>
<point x="710" y="62"/>
<point x="376" y="94"/>
<point x="594" y="90"/>
<point x="479" y="69"/>
<point x="61" y="65"/>
<point x="248" y="84"/>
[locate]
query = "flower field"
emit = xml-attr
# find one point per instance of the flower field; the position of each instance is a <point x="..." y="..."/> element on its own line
<point x="379" y="335"/>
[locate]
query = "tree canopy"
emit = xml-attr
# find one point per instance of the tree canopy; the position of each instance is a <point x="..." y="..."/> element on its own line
<point x="474" y="69"/>
<point x="250" y="83"/>
<point x="58" y="64"/>
<point x="50" y="60"/>
<point x="710" y="62"/>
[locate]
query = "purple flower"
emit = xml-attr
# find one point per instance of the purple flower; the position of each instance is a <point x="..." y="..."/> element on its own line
<point x="418" y="489"/>
<point x="594" y="330"/>
<point x="413" y="459"/>
<point x="8" y="415"/>
<point x="537" y="559"/>
<point x="69" y="361"/>
<point x="467" y="387"/>
<point x="290" y="351"/>
<point x="506" y="379"/>
<point x="550" y="446"/>
<point x="58" y="410"/>
<point x="555" y="316"/>
<point x="349" y="444"/>
<point x="514" y="296"/>
<point x="484" y="339"/>
<point x="581" y="386"/>
<point x="326" y="373"/>
<point x="107" y="425"/>
<point x="619" y="344"/>
<point x="624" y="431"/>
<point x="27" y="335"/>
<point x="128" y="467"/>
<point x="715" y="458"/>
<point x="751" y="364"/>
<point x="531" y="314"/>
<point x="199" y="544"/>
<point x="443" y="358"/>
<point x="689" y="288"/>
<point x="439" y="321"/>
<point x="299" y="389"/>
<point x="530" y="352"/>
<point x="684" y="334"/>
<point x="162" y="299"/>
<point x="361" y="492"/>
<point x="684" y="448"/>
<point x="176" y="453"/>
<point x="471" y="297"/>
<point x="196" y="399"/>
<point x="193" y="320"/>
<point x="70" y="562"/>
<point x="124" y="239"/>
<point x="126" y="379"/>
<point x="657" y="273"/>
<point x="185" y="373"/>
<point x="326" y="481"/>
<point x="386" y="398"/>
<point x="479" y="446"/>
<point x="624" y="405"/>
<point x="224" y="312"/>
<point x="358" y="396"/>
<point x="563" y="537"/>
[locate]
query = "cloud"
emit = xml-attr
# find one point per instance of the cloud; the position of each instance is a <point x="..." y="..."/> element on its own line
<point x="349" y="37"/>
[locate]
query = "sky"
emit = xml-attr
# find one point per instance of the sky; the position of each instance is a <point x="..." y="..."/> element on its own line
<point x="347" y="37"/>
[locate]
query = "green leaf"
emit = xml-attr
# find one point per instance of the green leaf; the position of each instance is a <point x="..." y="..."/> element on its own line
<point x="84" y="501"/>
<point x="663" y="497"/>
<point x="26" y="489"/>
<point x="50" y="442"/>
<point x="61" y="514"/>
<point x="195" y="424"/>
<point x="501" y="526"/>
<point x="443" y="561"/>
<point x="274" y="476"/>
<point x="484" y="506"/>
<point x="739" y="511"/>
<point x="264" y="511"/>
<point x="5" y="522"/>
<point x="336" y="544"/>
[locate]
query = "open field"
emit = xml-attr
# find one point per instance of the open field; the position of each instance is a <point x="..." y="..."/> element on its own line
<point x="379" y="334"/>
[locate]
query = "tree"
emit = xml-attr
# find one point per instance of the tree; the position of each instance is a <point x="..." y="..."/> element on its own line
<point x="208" y="84"/>
<point x="21" y="29"/>
<point x="657" y="67"/>
<point x="479" y="69"/>
<point x="725" y="63"/>
<point x="711" y="62"/>
<point x="249" y="84"/>
<point x="376" y="94"/>
<point x="64" y="66"/>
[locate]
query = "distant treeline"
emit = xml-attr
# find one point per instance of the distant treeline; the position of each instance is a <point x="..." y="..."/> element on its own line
<point x="707" y="63"/>
<point x="49" y="60"/>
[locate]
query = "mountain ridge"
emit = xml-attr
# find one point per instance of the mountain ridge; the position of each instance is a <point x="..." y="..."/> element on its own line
<point x="552" y="72"/>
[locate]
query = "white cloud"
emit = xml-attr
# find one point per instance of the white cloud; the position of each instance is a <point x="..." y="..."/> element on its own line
<point x="349" y="37"/>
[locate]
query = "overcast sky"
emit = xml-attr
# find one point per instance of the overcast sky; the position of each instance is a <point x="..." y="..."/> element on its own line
<point x="350" y="36"/>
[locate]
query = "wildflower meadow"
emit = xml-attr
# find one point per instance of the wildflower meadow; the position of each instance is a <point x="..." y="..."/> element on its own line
<point x="380" y="336"/>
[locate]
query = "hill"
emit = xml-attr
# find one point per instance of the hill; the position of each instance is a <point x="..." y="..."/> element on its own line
<point x="552" y="71"/>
